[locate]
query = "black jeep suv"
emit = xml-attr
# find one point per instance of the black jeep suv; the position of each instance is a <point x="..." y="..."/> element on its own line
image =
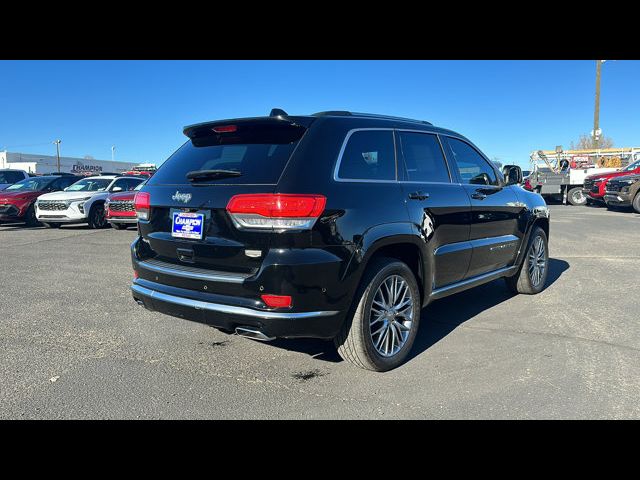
<point x="335" y="225"/>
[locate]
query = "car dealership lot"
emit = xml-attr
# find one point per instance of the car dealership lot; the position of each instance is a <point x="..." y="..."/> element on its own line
<point x="74" y="344"/>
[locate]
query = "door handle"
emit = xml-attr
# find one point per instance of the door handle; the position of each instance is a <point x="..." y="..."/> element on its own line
<point x="478" y="196"/>
<point x="420" y="195"/>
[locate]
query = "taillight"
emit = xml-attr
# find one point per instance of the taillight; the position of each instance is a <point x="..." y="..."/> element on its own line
<point x="142" y="204"/>
<point x="276" y="211"/>
<point x="276" y="301"/>
<point x="527" y="185"/>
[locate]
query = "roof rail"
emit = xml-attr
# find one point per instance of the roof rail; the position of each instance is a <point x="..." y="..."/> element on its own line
<point x="369" y="115"/>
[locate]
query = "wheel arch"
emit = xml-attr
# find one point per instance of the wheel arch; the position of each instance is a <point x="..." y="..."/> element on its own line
<point x="394" y="241"/>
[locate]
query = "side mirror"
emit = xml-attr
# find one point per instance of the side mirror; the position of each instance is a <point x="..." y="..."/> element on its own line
<point x="512" y="174"/>
<point x="116" y="189"/>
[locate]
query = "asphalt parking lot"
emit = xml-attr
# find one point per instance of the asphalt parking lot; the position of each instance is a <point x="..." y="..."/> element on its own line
<point x="75" y="345"/>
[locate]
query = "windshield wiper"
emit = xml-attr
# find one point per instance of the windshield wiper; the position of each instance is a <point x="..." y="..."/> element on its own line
<point x="197" y="175"/>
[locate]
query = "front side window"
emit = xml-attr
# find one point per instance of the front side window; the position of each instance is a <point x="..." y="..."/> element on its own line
<point x="369" y="155"/>
<point x="423" y="157"/>
<point x="473" y="168"/>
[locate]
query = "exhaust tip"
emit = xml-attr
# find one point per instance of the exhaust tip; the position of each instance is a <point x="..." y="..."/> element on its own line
<point x="253" y="334"/>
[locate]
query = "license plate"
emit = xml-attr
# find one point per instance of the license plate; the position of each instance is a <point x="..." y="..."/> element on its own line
<point x="187" y="225"/>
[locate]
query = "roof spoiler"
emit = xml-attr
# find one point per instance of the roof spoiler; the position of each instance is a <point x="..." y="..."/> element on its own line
<point x="277" y="116"/>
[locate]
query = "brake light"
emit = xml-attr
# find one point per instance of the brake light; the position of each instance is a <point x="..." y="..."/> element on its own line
<point x="225" y="129"/>
<point x="278" y="211"/>
<point x="277" y="301"/>
<point x="142" y="205"/>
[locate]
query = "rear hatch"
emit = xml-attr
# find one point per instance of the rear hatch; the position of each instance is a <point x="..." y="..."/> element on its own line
<point x="220" y="160"/>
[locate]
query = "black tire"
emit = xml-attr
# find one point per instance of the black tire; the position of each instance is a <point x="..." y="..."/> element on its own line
<point x="97" y="218"/>
<point x="355" y="341"/>
<point x="576" y="197"/>
<point x="522" y="281"/>
<point x="636" y="202"/>
<point x="30" y="217"/>
<point x="52" y="225"/>
<point x="119" y="226"/>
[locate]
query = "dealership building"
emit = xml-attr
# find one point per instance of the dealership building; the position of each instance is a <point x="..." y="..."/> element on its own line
<point x="43" y="164"/>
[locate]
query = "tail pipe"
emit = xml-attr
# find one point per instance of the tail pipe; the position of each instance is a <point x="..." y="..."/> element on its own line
<point x="253" y="334"/>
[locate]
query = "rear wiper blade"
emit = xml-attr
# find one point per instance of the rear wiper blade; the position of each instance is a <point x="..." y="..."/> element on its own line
<point x="196" y="175"/>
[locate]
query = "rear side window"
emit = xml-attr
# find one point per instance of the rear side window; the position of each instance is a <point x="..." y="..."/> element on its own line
<point x="423" y="157"/>
<point x="473" y="168"/>
<point x="368" y="155"/>
<point x="258" y="153"/>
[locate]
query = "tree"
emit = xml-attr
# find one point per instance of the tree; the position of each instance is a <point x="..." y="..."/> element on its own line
<point x="586" y="142"/>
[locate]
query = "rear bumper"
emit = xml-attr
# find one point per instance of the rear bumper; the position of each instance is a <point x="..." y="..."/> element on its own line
<point x="229" y="316"/>
<point x="227" y="300"/>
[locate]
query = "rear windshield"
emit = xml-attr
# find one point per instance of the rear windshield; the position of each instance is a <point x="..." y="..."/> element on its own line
<point x="11" y="177"/>
<point x="258" y="156"/>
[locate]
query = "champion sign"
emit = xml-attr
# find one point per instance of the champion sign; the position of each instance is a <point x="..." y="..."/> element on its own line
<point x="187" y="225"/>
<point x="80" y="168"/>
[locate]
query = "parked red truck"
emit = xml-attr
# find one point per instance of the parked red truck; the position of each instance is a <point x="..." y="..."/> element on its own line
<point x="119" y="209"/>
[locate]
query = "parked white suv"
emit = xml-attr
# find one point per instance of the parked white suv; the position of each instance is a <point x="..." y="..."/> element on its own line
<point x="82" y="202"/>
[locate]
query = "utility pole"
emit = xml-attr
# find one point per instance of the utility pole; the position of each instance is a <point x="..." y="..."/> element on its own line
<point x="596" y="115"/>
<point x="57" y="142"/>
<point x="113" y="152"/>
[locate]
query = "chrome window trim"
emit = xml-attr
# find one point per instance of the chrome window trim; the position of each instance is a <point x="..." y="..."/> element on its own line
<point x="336" y="169"/>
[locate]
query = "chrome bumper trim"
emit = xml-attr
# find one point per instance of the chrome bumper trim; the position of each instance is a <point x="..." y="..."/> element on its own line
<point x="228" y="309"/>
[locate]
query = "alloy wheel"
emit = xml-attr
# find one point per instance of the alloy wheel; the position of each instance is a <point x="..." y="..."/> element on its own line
<point x="391" y="316"/>
<point x="537" y="261"/>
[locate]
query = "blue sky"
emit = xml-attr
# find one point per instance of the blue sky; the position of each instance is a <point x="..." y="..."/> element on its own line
<point x="508" y="108"/>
